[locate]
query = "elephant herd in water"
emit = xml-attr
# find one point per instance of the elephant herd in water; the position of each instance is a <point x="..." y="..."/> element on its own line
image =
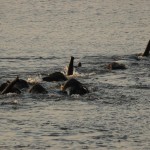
<point x="71" y="86"/>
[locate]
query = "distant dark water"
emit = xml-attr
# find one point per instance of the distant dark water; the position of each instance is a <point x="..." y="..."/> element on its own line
<point x="38" y="38"/>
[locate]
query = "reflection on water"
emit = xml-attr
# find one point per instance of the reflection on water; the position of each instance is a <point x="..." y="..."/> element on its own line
<point x="38" y="38"/>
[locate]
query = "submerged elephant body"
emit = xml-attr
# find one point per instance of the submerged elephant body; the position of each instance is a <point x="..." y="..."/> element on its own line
<point x="56" y="76"/>
<point x="8" y="87"/>
<point x="14" y="86"/>
<point x="38" y="89"/>
<point x="21" y="84"/>
<point x="11" y="90"/>
<point x="72" y="86"/>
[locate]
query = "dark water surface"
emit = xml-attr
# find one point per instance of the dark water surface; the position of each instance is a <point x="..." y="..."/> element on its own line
<point x="37" y="37"/>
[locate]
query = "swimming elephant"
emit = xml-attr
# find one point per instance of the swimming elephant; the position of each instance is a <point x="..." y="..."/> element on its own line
<point x="12" y="90"/>
<point x="56" y="76"/>
<point x="21" y="84"/>
<point x="8" y="87"/>
<point x="116" y="65"/>
<point x="71" y="66"/>
<point x="38" y="89"/>
<point x="72" y="86"/>
<point x="13" y="87"/>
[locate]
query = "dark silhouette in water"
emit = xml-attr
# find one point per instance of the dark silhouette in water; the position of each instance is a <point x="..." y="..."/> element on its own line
<point x="21" y="84"/>
<point x="79" y="65"/>
<point x="56" y="76"/>
<point x="146" y="53"/>
<point x="115" y="66"/>
<point x="3" y="86"/>
<point x="10" y="87"/>
<point x="70" y="67"/>
<point x="72" y="86"/>
<point x="38" y="89"/>
<point x="13" y="87"/>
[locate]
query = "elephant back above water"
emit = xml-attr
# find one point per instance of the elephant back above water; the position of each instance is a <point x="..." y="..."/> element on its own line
<point x="72" y="86"/>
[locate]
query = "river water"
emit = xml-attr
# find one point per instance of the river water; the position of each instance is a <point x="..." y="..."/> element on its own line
<point x="37" y="37"/>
